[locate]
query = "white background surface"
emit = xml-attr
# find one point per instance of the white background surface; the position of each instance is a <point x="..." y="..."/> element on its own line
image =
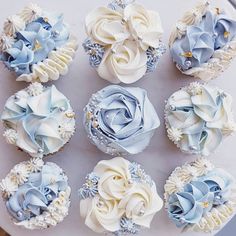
<point x="79" y="157"/>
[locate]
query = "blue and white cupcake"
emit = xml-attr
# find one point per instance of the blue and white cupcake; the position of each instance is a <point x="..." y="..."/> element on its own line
<point x="203" y="43"/>
<point x="120" y="120"/>
<point x="119" y="198"/>
<point x="198" y="118"/>
<point x="124" y="41"/>
<point x="37" y="194"/>
<point x="38" y="120"/>
<point x="37" y="45"/>
<point x="200" y="197"/>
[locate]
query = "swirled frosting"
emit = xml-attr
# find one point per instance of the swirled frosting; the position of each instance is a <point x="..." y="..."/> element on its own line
<point x="198" y="117"/>
<point x="42" y="119"/>
<point x="33" y="40"/>
<point x="118" y="197"/>
<point x="123" y="41"/>
<point x="120" y="120"/>
<point x="203" y="194"/>
<point x="197" y="46"/>
<point x="37" y="187"/>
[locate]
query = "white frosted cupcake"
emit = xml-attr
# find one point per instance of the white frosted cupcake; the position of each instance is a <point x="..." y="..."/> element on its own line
<point x="36" y="194"/>
<point x="200" y="197"/>
<point x="38" y="120"/>
<point x="203" y="43"/>
<point x="37" y="45"/>
<point x="198" y="118"/>
<point x="120" y="120"/>
<point x="119" y="198"/>
<point x="124" y="41"/>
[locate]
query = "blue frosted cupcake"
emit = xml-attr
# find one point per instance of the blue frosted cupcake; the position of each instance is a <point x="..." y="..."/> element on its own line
<point x="37" y="45"/>
<point x="37" y="194"/>
<point x="200" y="197"/>
<point x="120" y="120"/>
<point x="203" y="43"/>
<point x="38" y="120"/>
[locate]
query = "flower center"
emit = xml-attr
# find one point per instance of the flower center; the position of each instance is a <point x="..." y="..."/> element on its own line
<point x="187" y="54"/>
<point x="37" y="45"/>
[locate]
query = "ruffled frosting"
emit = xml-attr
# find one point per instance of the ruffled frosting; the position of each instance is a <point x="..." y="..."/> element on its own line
<point x="197" y="117"/>
<point x="198" y="39"/>
<point x="36" y="115"/>
<point x="118" y="197"/>
<point x="124" y="41"/>
<point x="39" y="50"/>
<point x="35" y="193"/>
<point x="120" y="120"/>
<point x="203" y="196"/>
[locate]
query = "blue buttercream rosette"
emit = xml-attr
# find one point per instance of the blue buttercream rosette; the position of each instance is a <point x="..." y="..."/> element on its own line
<point x="203" y="43"/>
<point x="120" y="120"/>
<point x="37" y="45"/>
<point x="36" y="194"/>
<point x="200" y="197"/>
<point x="198" y="118"/>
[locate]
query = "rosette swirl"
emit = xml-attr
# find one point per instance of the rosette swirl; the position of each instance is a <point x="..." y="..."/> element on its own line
<point x="124" y="41"/>
<point x="203" y="199"/>
<point x="35" y="195"/>
<point x="198" y="117"/>
<point x="38" y="115"/>
<point x="120" y="120"/>
<point x="118" y="197"/>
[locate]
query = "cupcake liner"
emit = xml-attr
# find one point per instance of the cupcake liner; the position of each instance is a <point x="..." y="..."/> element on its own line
<point x="37" y="45"/>
<point x="38" y="120"/>
<point x="114" y="32"/>
<point x="43" y="204"/>
<point x="211" y="192"/>
<point x="118" y="198"/>
<point x="214" y="47"/>
<point x="198" y="117"/>
<point x="120" y="121"/>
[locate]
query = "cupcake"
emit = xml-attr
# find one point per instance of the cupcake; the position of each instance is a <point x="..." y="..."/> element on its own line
<point x="124" y="41"/>
<point x="119" y="198"/>
<point x="37" y="45"/>
<point x="120" y="121"/>
<point x="200" y="197"/>
<point x="198" y="118"/>
<point x="36" y="194"/>
<point x="38" y="120"/>
<point x="203" y="43"/>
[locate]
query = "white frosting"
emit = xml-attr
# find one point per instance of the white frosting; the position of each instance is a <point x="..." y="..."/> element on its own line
<point x="55" y="65"/>
<point x="8" y="187"/>
<point x="127" y="64"/>
<point x="66" y="130"/>
<point x="10" y="136"/>
<point x="221" y="58"/>
<point x="35" y="89"/>
<point x="30" y="12"/>
<point x="174" y="134"/>
<point x="35" y="164"/>
<point x="6" y="42"/>
<point x="19" y="174"/>
<point x="13" y="24"/>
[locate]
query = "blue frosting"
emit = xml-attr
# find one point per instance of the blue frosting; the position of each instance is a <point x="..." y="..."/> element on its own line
<point x="199" y="197"/>
<point x="34" y="43"/>
<point x="34" y="196"/>
<point x="201" y="40"/>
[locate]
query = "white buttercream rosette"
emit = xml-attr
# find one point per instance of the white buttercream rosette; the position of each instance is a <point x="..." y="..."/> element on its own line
<point x="118" y="197"/>
<point x="198" y="118"/>
<point x="218" y="210"/>
<point x="221" y="58"/>
<point x="36" y="197"/>
<point x="22" y="55"/>
<point x="38" y="120"/>
<point x="124" y="41"/>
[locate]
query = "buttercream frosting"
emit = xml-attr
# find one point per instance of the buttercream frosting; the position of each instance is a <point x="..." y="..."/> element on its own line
<point x="118" y="197"/>
<point x="38" y="120"/>
<point x="205" y="201"/>
<point x="202" y="40"/>
<point x="124" y="41"/>
<point x="198" y="117"/>
<point x="37" y="45"/>
<point x="35" y="193"/>
<point x="120" y="120"/>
